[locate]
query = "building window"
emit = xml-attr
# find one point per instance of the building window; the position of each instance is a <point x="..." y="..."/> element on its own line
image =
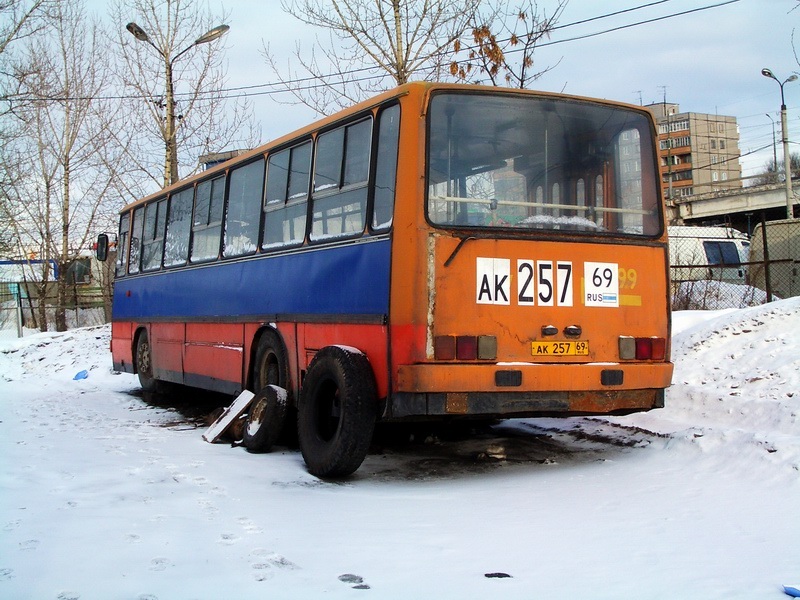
<point x="681" y="125"/>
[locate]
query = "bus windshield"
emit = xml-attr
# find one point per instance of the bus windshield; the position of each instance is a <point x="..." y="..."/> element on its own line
<point x="539" y="163"/>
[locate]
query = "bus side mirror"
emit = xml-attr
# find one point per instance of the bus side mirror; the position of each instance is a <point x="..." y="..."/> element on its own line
<point x="101" y="248"/>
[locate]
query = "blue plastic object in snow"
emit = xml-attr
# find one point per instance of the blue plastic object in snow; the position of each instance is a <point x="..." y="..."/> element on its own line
<point x="81" y="375"/>
<point x="792" y="590"/>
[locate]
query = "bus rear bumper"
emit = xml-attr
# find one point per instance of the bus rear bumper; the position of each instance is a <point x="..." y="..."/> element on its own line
<point x="526" y="390"/>
<point x="521" y="404"/>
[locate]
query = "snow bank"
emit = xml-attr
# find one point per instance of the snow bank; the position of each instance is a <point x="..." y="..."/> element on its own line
<point x="104" y="495"/>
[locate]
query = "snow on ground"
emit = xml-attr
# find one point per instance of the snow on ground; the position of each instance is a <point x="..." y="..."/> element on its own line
<point x="105" y="494"/>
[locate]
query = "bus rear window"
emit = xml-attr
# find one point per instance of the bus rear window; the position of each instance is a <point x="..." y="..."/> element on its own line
<point x="540" y="164"/>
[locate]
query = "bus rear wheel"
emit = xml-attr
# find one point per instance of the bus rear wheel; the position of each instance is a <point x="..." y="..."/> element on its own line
<point x="336" y="412"/>
<point x="144" y="364"/>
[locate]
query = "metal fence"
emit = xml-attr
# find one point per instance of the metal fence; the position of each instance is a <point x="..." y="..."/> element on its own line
<point x="10" y="310"/>
<point x="20" y="314"/>
<point x="718" y="267"/>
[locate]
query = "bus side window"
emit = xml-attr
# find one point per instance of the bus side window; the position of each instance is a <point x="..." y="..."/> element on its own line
<point x="341" y="170"/>
<point x="386" y="167"/>
<point x="122" y="247"/>
<point x="179" y="223"/>
<point x="286" y="197"/>
<point x="136" y="240"/>
<point x="244" y="208"/>
<point x="207" y="224"/>
<point x="155" y="217"/>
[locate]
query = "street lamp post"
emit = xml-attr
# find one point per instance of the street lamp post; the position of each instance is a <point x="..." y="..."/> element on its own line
<point x="170" y="131"/>
<point x="787" y="167"/>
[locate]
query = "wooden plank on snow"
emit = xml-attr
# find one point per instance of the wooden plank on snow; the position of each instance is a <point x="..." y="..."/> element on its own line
<point x="233" y="412"/>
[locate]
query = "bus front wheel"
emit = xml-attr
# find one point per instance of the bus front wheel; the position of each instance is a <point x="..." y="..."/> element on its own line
<point x="336" y="412"/>
<point x="144" y="364"/>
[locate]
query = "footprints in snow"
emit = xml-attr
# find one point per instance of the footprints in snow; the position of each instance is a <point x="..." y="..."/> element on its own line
<point x="266" y="562"/>
<point x="160" y="564"/>
<point x="357" y="580"/>
<point x="29" y="545"/>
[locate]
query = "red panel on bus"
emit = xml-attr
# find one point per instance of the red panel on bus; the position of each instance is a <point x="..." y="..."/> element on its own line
<point x="214" y="351"/>
<point x="215" y="333"/>
<point x="121" y="343"/>
<point x="166" y="340"/>
<point x="370" y="339"/>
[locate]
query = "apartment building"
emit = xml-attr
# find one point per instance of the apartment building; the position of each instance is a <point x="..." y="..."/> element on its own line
<point x="699" y="153"/>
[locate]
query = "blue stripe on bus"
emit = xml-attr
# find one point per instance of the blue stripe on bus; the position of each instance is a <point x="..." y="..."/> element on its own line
<point x="348" y="280"/>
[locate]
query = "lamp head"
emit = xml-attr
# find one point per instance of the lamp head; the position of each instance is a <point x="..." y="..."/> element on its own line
<point x="212" y="34"/>
<point x="767" y="73"/>
<point x="791" y="78"/>
<point x="137" y="32"/>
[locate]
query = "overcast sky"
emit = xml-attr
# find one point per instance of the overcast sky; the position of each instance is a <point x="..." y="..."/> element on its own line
<point x="708" y="61"/>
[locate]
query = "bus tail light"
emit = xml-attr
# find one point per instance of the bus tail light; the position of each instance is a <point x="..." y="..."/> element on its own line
<point x="659" y="348"/>
<point x="487" y="347"/>
<point x="444" y="347"/>
<point x="642" y="348"/>
<point x="465" y="347"/>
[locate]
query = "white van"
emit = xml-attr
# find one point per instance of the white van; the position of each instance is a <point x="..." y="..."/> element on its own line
<point x="783" y="243"/>
<point x="708" y="253"/>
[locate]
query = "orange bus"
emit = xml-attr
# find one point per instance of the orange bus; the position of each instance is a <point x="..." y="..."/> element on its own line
<point x="437" y="252"/>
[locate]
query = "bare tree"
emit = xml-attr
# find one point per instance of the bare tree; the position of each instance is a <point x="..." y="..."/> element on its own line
<point x="8" y="242"/>
<point x="503" y="45"/>
<point x="175" y="81"/>
<point x="372" y="45"/>
<point x="64" y="182"/>
<point x="19" y="19"/>
<point x="773" y="172"/>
